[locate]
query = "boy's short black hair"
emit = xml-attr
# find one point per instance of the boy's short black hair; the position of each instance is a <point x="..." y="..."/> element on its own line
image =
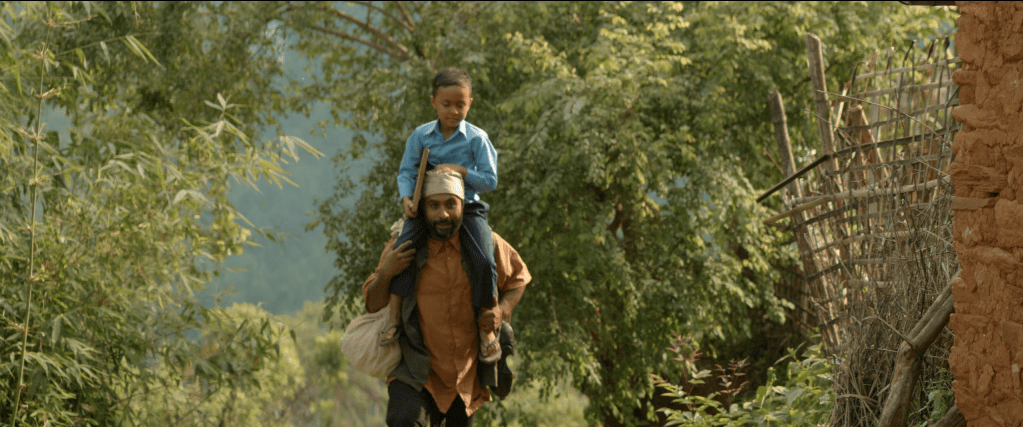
<point x="451" y="76"/>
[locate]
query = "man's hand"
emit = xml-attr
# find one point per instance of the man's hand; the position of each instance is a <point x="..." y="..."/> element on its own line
<point x="453" y="167"/>
<point x="490" y="319"/>
<point x="396" y="260"/>
<point x="406" y="204"/>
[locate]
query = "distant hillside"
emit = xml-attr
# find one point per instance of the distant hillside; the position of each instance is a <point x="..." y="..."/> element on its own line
<point x="282" y="278"/>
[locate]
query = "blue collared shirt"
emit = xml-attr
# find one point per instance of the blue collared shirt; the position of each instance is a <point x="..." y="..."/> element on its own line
<point x="469" y="146"/>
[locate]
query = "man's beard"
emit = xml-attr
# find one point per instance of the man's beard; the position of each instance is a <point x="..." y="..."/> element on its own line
<point x="439" y="234"/>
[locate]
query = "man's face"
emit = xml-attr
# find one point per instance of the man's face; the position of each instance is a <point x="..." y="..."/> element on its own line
<point x="443" y="215"/>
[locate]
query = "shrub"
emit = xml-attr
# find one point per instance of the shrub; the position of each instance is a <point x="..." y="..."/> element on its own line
<point x="797" y="393"/>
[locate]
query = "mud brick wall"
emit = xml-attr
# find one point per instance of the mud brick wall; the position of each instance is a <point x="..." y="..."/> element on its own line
<point x="987" y="357"/>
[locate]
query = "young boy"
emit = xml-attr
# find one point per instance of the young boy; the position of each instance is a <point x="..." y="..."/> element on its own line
<point x="457" y="145"/>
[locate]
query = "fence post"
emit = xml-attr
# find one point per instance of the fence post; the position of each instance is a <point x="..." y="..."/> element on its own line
<point x="815" y="58"/>
<point x="781" y="133"/>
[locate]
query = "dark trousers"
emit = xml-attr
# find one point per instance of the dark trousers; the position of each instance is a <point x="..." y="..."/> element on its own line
<point x="476" y="245"/>
<point x="407" y="407"/>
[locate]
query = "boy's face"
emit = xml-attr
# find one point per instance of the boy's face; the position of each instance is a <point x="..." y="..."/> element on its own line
<point x="452" y="105"/>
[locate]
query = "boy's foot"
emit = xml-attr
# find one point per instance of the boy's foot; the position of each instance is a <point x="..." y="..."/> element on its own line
<point x="490" y="352"/>
<point x="390" y="334"/>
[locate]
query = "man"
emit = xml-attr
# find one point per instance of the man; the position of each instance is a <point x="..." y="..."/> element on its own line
<point x="436" y="379"/>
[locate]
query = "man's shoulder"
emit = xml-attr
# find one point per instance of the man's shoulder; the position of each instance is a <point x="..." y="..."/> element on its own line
<point x="501" y="245"/>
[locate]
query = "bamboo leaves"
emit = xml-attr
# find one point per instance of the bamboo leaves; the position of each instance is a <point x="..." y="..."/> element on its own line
<point x="138" y="49"/>
<point x="131" y="197"/>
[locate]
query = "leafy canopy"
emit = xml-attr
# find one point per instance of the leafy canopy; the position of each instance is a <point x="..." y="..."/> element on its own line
<point x="632" y="140"/>
<point x="104" y="229"/>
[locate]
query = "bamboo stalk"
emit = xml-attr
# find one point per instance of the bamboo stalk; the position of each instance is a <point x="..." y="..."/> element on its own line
<point x="796" y="210"/>
<point x="868" y="261"/>
<point x="870" y="192"/>
<point x="821" y="273"/>
<point x="879" y="214"/>
<point x="856" y="282"/>
<point x="32" y="245"/>
<point x="862" y="237"/>
<point x="916" y="113"/>
<point x="793" y="177"/>
<point x="953" y="418"/>
<point x="810" y="202"/>
<point x="819" y="160"/>
<point x="781" y="135"/>
<point x="902" y="89"/>
<point x="904" y="69"/>
<point x="815" y="60"/>
<point x="907" y="368"/>
<point x="905" y="162"/>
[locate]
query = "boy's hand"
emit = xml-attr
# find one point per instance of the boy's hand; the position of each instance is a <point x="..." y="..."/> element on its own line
<point x="454" y="167"/>
<point x="406" y="204"/>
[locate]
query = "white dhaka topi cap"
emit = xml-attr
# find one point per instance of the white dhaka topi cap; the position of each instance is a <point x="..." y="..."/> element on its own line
<point x="443" y="182"/>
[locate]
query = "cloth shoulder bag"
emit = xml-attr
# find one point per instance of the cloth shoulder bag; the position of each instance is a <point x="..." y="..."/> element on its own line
<point x="360" y="344"/>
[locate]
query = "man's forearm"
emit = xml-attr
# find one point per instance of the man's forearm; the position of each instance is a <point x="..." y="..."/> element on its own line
<point x="509" y="300"/>
<point x="378" y="295"/>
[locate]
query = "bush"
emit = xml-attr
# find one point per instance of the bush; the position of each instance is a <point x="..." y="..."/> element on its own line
<point x="797" y="393"/>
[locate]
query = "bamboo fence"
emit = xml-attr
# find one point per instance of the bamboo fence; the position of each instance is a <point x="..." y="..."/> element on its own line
<point x="872" y="218"/>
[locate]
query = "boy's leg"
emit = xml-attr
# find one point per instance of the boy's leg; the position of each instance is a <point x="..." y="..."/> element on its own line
<point x="478" y="244"/>
<point x="390" y="332"/>
<point x="402" y="284"/>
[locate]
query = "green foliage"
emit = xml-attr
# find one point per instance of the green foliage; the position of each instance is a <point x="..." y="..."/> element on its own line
<point x="631" y="140"/>
<point x="940" y="397"/>
<point x="529" y="406"/>
<point x="741" y="51"/>
<point x="104" y="229"/>
<point x="333" y="393"/>
<point x="257" y="384"/>
<point x="801" y="394"/>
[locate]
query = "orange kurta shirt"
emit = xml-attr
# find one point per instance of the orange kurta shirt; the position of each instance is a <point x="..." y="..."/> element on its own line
<point x="448" y="321"/>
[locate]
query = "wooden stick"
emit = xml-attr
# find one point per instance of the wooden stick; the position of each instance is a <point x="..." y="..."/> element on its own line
<point x="418" y="194"/>
<point x="876" y="191"/>
<point x="904" y="89"/>
<point x="815" y="59"/>
<point x="781" y="134"/>
<point x="862" y="237"/>
<point x="826" y="157"/>
<point x="904" y="69"/>
<point x="795" y="175"/>
<point x="810" y="202"/>
<point x="952" y="418"/>
<point x="907" y="366"/>
<point x="903" y="162"/>
<point x="797" y="209"/>
<point x="857" y="282"/>
<point x="915" y="113"/>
